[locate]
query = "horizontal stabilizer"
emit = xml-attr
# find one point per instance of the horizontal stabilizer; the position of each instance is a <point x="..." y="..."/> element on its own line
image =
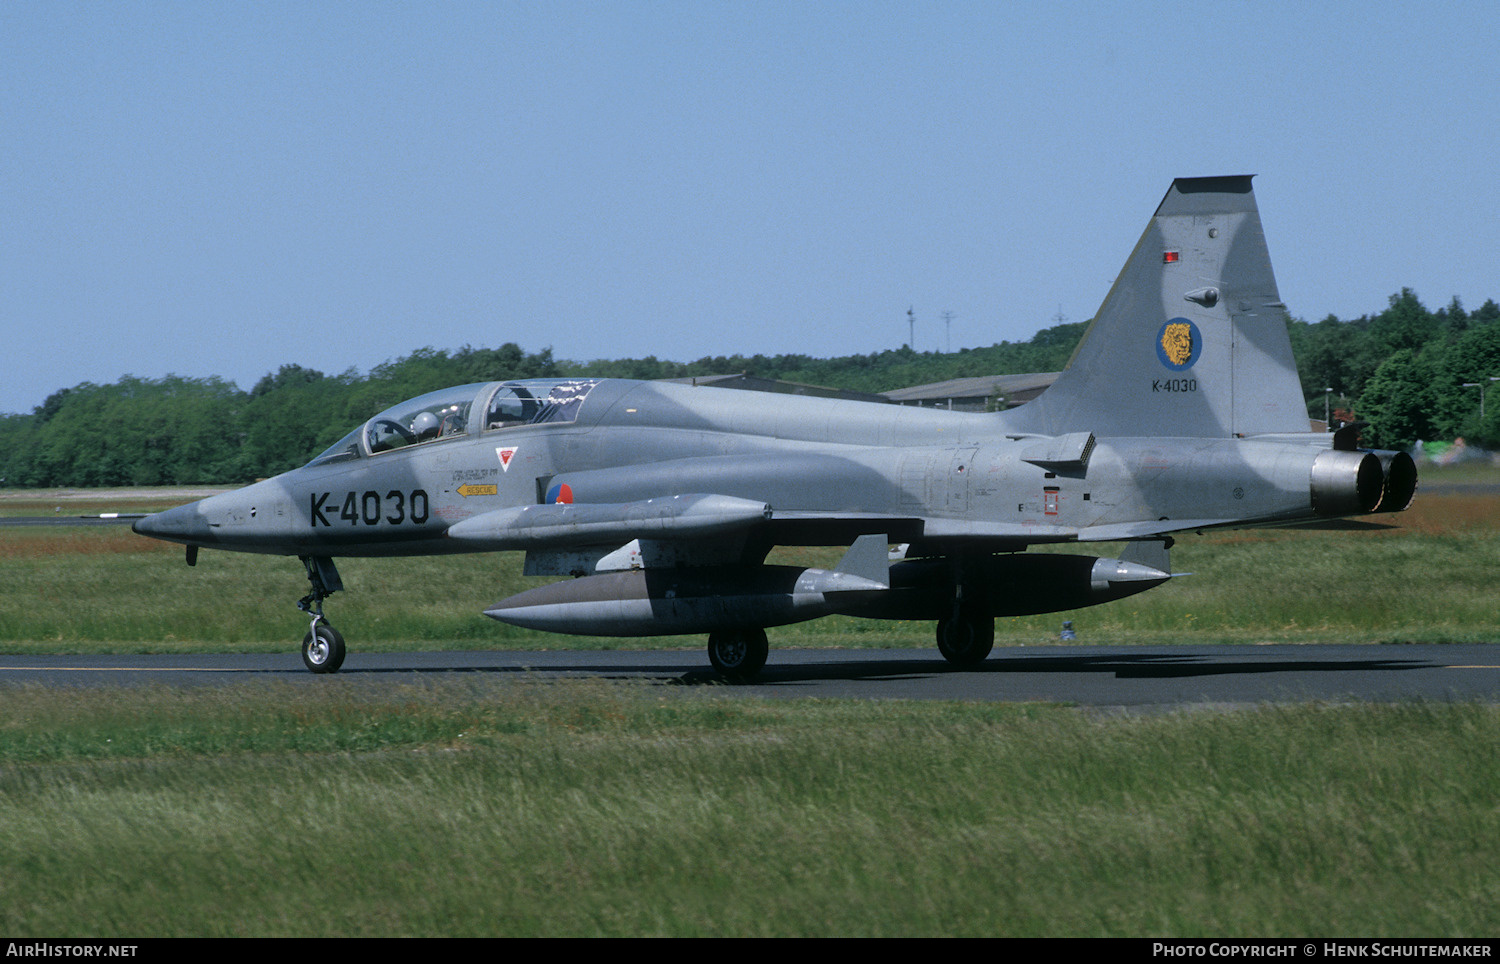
<point x="1335" y="525"/>
<point x="1143" y="530"/>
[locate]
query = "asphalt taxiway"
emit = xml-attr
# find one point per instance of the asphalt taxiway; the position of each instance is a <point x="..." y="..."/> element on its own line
<point x="1140" y="677"/>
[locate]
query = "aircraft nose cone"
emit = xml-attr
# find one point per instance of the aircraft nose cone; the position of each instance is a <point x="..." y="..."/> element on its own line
<point x="174" y="525"/>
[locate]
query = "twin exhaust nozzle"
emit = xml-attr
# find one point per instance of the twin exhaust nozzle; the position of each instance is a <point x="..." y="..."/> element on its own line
<point x="1359" y="483"/>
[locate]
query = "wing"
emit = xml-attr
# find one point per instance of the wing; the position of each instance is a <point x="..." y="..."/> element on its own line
<point x="564" y="524"/>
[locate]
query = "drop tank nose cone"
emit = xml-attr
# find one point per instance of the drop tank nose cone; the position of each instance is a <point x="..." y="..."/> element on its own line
<point x="1111" y="576"/>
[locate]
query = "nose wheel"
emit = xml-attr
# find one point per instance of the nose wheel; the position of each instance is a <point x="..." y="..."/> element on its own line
<point x="322" y="647"/>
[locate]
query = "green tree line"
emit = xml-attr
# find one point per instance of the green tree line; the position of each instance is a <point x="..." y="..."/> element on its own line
<point x="1403" y="370"/>
<point x="1409" y="372"/>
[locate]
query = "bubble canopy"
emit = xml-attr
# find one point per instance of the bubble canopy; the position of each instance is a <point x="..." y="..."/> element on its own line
<point x="451" y="413"/>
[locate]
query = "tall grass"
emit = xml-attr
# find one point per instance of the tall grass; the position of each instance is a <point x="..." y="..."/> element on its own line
<point x="476" y="807"/>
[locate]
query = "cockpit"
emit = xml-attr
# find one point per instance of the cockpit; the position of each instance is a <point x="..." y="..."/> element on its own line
<point x="449" y="413"/>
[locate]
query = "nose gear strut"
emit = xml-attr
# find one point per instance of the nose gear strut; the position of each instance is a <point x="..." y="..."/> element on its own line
<point x="322" y="647"/>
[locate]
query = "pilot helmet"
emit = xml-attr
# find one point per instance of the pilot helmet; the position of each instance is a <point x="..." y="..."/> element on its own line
<point x="425" y="426"/>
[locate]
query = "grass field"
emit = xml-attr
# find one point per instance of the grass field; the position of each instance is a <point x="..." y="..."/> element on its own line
<point x="475" y="806"/>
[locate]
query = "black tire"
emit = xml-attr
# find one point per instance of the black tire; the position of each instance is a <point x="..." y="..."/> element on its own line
<point x="738" y="654"/>
<point x="965" y="640"/>
<point x="323" y="649"/>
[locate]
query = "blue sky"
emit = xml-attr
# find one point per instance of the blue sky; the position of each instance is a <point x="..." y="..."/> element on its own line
<point x="223" y="188"/>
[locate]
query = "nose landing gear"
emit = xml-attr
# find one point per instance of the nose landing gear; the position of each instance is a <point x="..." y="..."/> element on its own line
<point x="322" y="647"/>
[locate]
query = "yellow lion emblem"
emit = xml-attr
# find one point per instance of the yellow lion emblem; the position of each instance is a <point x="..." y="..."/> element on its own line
<point x="1177" y="343"/>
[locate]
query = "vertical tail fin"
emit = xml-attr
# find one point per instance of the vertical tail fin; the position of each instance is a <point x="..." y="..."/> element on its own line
<point x="1192" y="339"/>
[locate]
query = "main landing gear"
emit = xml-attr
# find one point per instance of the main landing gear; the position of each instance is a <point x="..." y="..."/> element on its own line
<point x="322" y="647"/>
<point x="738" y="654"/>
<point x="965" y="639"/>
<point x="966" y="636"/>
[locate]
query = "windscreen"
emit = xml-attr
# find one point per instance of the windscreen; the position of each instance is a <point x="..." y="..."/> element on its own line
<point x="427" y="418"/>
<point x="446" y="414"/>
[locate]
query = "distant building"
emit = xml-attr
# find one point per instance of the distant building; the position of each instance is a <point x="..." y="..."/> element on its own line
<point x="755" y="383"/>
<point x="956" y="394"/>
<point x="976" y="394"/>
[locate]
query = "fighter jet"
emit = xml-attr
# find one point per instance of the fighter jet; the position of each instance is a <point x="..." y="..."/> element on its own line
<point x="1180" y="411"/>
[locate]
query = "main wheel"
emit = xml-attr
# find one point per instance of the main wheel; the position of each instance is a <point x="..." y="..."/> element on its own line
<point x="966" y="638"/>
<point x="738" y="654"/>
<point x="323" y="649"/>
